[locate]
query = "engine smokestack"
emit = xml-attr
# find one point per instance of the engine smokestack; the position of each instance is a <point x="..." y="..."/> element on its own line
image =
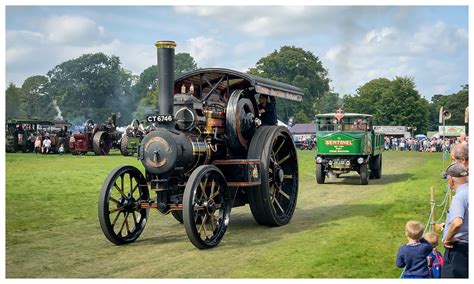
<point x="165" y="52"/>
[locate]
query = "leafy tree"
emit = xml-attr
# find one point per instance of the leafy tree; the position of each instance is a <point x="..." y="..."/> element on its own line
<point x="147" y="105"/>
<point x="328" y="103"/>
<point x="395" y="102"/>
<point x="455" y="103"/>
<point x="13" y="95"/>
<point x="36" y="100"/>
<point x="184" y="62"/>
<point x="93" y="86"/>
<point x="298" y="67"/>
<point x="147" y="81"/>
<point x="146" y="87"/>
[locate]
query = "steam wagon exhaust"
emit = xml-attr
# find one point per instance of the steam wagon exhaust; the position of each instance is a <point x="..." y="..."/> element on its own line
<point x="200" y="161"/>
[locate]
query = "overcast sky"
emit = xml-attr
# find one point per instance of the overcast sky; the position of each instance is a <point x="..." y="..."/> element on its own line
<point x="355" y="44"/>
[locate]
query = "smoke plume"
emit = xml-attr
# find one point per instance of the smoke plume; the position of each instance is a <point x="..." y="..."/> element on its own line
<point x="56" y="107"/>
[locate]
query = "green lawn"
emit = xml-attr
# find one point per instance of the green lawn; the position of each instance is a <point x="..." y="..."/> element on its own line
<point x="339" y="230"/>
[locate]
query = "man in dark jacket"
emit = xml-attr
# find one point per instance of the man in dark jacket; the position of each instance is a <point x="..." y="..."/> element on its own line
<point x="267" y="111"/>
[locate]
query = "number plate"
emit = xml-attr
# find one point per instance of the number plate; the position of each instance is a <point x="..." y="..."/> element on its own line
<point x="160" y="118"/>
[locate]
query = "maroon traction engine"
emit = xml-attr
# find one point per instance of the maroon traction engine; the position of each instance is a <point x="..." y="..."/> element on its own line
<point x="209" y="154"/>
<point x="97" y="138"/>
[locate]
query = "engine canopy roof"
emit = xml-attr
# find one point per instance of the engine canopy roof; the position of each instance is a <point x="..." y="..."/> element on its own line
<point x="223" y="80"/>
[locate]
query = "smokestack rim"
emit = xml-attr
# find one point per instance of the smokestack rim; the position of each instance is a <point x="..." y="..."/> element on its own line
<point x="165" y="44"/>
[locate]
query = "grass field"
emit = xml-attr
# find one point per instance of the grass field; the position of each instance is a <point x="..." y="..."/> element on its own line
<point x="339" y="230"/>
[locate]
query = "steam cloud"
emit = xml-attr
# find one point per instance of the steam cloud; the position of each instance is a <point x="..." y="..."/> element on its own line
<point x="56" y="107"/>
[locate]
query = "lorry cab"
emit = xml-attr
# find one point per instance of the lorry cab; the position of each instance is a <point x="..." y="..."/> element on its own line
<point x="346" y="142"/>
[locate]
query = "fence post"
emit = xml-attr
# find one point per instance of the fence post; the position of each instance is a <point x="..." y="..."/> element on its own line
<point x="432" y="203"/>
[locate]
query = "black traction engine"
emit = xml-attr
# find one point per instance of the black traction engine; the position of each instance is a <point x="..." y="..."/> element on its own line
<point x="208" y="154"/>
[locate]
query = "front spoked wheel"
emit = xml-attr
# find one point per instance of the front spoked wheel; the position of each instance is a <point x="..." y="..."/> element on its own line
<point x="120" y="215"/>
<point x="206" y="207"/>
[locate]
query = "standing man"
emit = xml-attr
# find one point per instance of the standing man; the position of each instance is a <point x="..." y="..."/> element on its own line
<point x="460" y="154"/>
<point x="267" y="111"/>
<point x="456" y="230"/>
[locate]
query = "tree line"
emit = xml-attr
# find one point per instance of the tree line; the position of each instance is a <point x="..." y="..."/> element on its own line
<point x="94" y="85"/>
<point x="89" y="87"/>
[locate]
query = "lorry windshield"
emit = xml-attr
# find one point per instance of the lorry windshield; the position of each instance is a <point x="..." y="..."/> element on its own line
<point x="348" y="124"/>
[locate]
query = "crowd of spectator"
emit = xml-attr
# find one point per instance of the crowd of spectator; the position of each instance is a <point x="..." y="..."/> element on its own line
<point x="422" y="144"/>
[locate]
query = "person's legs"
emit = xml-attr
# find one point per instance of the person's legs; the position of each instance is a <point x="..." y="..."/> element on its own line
<point x="456" y="264"/>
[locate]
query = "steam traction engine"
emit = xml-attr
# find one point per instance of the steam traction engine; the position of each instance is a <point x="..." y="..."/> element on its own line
<point x="132" y="137"/>
<point x="208" y="154"/>
<point x="98" y="138"/>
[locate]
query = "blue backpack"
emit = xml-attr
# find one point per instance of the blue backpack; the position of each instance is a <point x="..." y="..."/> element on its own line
<point x="435" y="263"/>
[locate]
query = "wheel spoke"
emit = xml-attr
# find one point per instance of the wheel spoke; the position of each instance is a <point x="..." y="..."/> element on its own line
<point x="283" y="159"/>
<point x="288" y="176"/>
<point x="134" y="218"/>
<point x="202" y="224"/>
<point x="198" y="207"/>
<point x="135" y="188"/>
<point x="126" y="223"/>
<point x="204" y="228"/>
<point x="203" y="188"/>
<point x="216" y="193"/>
<point x="213" y="184"/>
<point x="116" y="218"/>
<point x="212" y="223"/>
<point x="119" y="190"/>
<point x="121" y="181"/>
<point x="114" y="200"/>
<point x="116" y="209"/>
<point x="123" y="224"/>
<point x="280" y="191"/>
<point x="279" y="206"/>
<point x="279" y="147"/>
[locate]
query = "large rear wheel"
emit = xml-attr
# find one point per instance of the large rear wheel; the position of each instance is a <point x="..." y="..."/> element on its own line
<point x="101" y="143"/>
<point x="124" y="146"/>
<point x="273" y="202"/>
<point x="120" y="216"/>
<point x="206" y="207"/>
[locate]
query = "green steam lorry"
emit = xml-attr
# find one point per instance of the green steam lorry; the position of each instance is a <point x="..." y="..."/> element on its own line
<point x="345" y="143"/>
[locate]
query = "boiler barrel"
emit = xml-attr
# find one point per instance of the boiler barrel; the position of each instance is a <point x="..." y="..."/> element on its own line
<point x="165" y="52"/>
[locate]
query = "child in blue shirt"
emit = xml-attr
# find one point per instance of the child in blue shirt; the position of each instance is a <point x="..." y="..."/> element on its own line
<point x="413" y="255"/>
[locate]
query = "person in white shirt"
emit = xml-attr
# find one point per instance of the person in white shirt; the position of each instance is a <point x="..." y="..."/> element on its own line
<point x="46" y="145"/>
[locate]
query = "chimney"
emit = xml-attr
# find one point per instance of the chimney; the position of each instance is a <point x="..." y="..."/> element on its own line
<point x="165" y="52"/>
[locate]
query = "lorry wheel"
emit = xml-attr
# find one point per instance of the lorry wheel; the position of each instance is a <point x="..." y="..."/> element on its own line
<point x="274" y="201"/>
<point x="364" y="174"/>
<point x="120" y="216"/>
<point x="378" y="171"/>
<point x="124" y="146"/>
<point x="320" y="174"/>
<point x="206" y="207"/>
